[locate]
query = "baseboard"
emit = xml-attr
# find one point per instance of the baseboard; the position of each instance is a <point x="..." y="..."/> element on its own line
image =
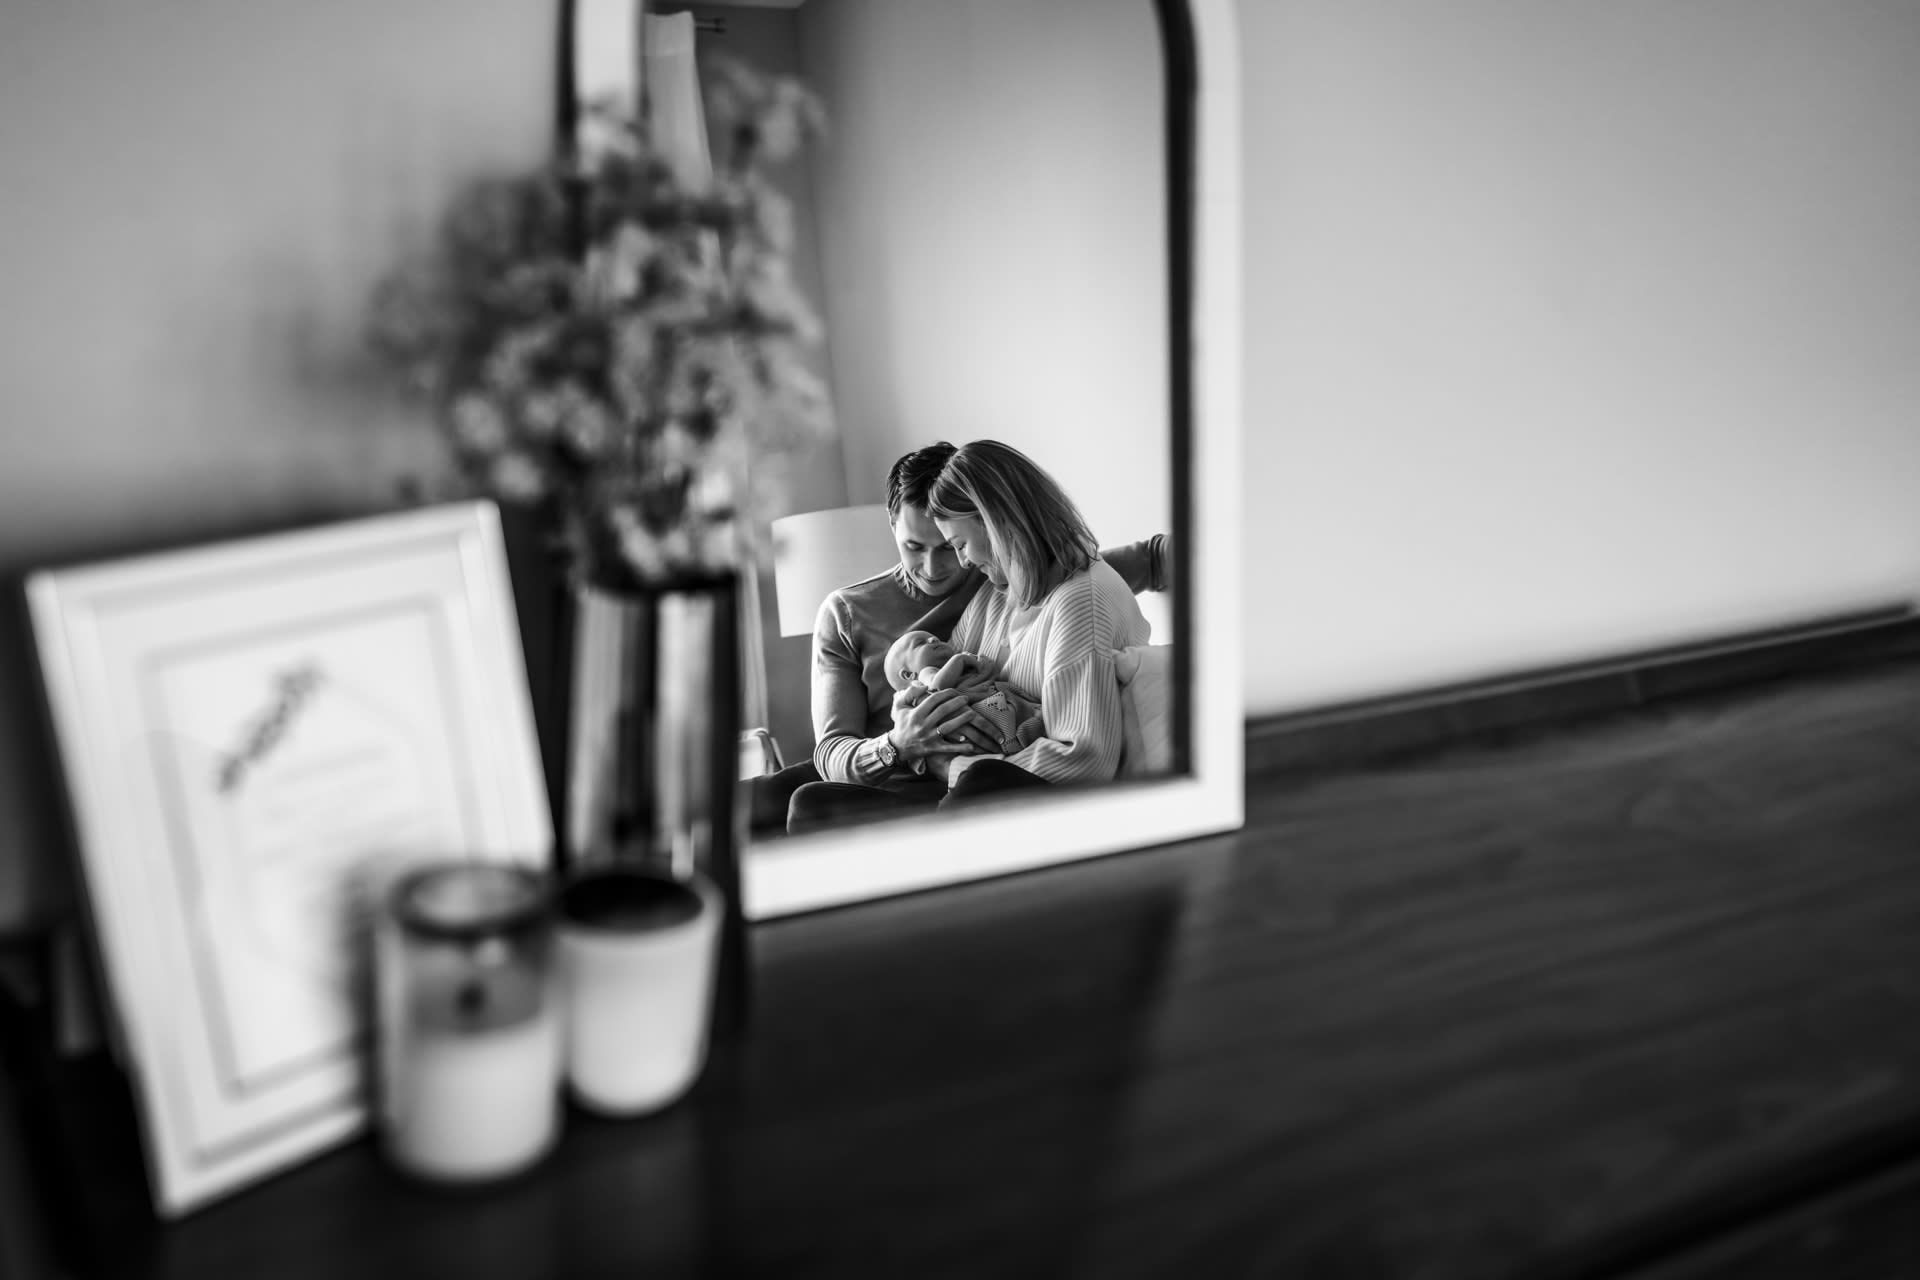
<point x="1377" y="730"/>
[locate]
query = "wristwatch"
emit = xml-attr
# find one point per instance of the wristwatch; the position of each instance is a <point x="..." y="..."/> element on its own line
<point x="889" y="754"/>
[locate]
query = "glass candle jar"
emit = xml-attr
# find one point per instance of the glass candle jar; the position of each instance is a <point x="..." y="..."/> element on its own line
<point x="469" y="1022"/>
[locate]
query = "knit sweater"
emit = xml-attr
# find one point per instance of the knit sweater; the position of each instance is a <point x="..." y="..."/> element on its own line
<point x="1060" y="654"/>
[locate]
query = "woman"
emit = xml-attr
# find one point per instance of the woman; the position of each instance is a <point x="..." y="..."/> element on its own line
<point x="1051" y="617"/>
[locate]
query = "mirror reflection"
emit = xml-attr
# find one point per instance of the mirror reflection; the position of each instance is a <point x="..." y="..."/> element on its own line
<point x="970" y="590"/>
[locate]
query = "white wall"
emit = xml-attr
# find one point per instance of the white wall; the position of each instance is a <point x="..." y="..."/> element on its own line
<point x="1571" y="328"/>
<point x="195" y="198"/>
<point x="993" y="222"/>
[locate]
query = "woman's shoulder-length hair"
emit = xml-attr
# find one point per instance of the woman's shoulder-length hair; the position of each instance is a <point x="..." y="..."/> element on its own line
<point x="1037" y="531"/>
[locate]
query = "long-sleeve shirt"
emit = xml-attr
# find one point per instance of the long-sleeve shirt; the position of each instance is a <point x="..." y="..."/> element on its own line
<point x="852" y="699"/>
<point x="1060" y="654"/>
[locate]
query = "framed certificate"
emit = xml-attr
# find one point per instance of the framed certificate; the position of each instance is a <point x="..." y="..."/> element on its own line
<point x="256" y="737"/>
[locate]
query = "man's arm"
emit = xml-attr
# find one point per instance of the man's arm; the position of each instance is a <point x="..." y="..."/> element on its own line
<point x="842" y="752"/>
<point x="1143" y="566"/>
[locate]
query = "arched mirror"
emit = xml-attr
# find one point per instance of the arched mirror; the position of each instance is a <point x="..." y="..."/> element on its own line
<point x="1017" y="232"/>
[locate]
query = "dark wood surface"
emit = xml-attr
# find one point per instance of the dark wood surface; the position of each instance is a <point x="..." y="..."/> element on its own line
<point x="1635" y="997"/>
<point x="1370" y="731"/>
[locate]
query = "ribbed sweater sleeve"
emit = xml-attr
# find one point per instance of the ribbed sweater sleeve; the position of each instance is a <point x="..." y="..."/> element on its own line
<point x="1079" y="695"/>
<point x="842" y="752"/>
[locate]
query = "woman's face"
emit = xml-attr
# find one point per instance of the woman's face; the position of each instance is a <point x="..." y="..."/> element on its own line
<point x="968" y="537"/>
<point x="924" y="552"/>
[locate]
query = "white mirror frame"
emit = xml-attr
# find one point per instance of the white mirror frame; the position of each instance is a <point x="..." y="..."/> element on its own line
<point x="804" y="873"/>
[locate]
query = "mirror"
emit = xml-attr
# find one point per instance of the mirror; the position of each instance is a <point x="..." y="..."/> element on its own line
<point x="998" y="233"/>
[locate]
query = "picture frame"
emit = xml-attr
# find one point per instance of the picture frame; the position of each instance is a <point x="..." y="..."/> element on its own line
<point x="1206" y="793"/>
<point x="256" y="736"/>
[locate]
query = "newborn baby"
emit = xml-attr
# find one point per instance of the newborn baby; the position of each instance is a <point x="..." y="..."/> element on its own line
<point x="921" y="660"/>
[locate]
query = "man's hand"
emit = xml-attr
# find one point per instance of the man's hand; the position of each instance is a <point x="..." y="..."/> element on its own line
<point x="939" y="724"/>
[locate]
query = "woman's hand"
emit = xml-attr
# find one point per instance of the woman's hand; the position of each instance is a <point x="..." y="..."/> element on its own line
<point x="939" y="725"/>
<point x="962" y="671"/>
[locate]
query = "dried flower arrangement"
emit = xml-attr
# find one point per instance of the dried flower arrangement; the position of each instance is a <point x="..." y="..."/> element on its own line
<point x="616" y="339"/>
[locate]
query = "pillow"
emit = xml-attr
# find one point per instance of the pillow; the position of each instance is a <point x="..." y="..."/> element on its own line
<point x="1145" y="672"/>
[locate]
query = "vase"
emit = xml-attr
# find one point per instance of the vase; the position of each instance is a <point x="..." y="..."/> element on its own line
<point x="652" y="771"/>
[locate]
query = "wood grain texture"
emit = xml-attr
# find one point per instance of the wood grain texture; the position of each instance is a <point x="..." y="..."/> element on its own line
<point x="1568" y="1004"/>
<point x="1866" y="1229"/>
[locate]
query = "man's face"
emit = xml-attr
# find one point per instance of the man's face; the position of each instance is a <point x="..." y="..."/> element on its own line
<point x="924" y="553"/>
<point x="968" y="538"/>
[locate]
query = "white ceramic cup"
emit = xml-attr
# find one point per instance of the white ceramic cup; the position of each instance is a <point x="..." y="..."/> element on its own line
<point x="637" y="953"/>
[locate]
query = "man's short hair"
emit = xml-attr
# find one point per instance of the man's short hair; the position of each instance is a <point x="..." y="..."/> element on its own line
<point x="913" y="476"/>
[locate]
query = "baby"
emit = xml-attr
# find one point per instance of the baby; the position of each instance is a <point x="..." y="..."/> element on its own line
<point x="921" y="660"/>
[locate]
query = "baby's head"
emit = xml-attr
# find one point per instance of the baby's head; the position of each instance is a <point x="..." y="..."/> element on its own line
<point x="912" y="652"/>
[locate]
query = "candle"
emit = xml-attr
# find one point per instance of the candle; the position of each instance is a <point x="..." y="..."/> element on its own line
<point x="471" y="1031"/>
<point x="637" y="955"/>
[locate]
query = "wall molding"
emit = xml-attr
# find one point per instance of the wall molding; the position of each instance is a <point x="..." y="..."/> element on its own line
<point x="1377" y="730"/>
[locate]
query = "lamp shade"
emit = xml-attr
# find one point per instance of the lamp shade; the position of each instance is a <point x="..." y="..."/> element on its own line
<point x="817" y="552"/>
